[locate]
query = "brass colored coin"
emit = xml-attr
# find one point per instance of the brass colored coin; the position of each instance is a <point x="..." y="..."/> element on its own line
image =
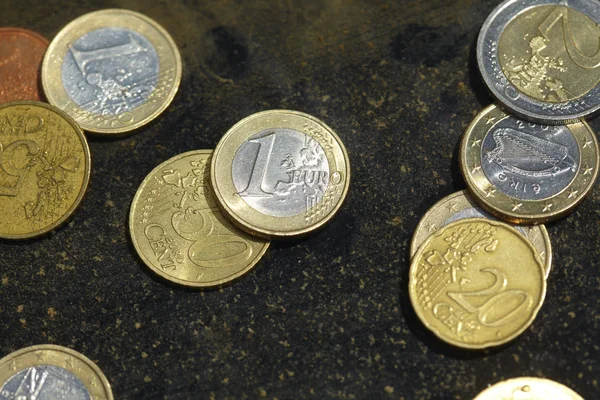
<point x="179" y="232"/>
<point x="524" y="172"/>
<point x="44" y="168"/>
<point x="477" y="283"/>
<point x="51" y="372"/>
<point x="459" y="206"/>
<point x="280" y="173"/>
<point x="112" y="70"/>
<point x="527" y="388"/>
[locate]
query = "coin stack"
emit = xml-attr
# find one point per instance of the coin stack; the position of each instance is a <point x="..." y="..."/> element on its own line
<point x="475" y="281"/>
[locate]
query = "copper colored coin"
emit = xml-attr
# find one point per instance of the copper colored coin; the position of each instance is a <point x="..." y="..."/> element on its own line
<point x="21" y="54"/>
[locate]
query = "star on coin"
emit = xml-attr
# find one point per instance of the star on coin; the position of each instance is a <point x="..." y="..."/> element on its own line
<point x="573" y="193"/>
<point x="431" y="227"/>
<point x="476" y="168"/>
<point x="490" y="191"/>
<point x="489" y="120"/>
<point x="587" y="143"/>
<point x="476" y="143"/>
<point x="40" y="356"/>
<point x="516" y="206"/>
<point x="587" y="170"/>
<point x="547" y="207"/>
<point x="452" y="207"/>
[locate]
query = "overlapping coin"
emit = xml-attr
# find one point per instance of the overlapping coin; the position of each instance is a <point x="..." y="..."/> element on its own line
<point x="528" y="388"/>
<point x="112" y="70"/>
<point x="280" y="173"/>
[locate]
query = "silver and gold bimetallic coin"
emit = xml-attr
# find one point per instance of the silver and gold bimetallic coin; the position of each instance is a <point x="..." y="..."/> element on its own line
<point x="112" y="70"/>
<point x="528" y="388"/>
<point x="477" y="283"/>
<point x="44" y="168"/>
<point x="280" y="173"/>
<point x="459" y="206"/>
<point x="179" y="232"/>
<point x="541" y="58"/>
<point x="51" y="372"/>
<point x="524" y="172"/>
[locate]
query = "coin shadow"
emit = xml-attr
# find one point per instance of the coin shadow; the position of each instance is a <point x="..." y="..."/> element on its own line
<point x="458" y="182"/>
<point x="476" y="82"/>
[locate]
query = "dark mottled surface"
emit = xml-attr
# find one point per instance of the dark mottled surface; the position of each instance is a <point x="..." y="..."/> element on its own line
<point x="327" y="317"/>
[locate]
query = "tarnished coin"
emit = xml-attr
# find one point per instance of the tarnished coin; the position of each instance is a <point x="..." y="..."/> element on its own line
<point x="477" y="283"/>
<point x="524" y="172"/>
<point x="112" y="70"/>
<point x="527" y="388"/>
<point x="459" y="206"/>
<point x="48" y="372"/>
<point x="541" y="58"/>
<point x="179" y="232"/>
<point x="21" y="53"/>
<point x="280" y="173"/>
<point x="44" y="168"/>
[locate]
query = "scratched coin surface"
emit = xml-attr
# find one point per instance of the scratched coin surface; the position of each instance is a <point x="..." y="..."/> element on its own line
<point x="21" y="54"/>
<point x="112" y="70"/>
<point x="477" y="283"/>
<point x="459" y="206"/>
<point x="179" y="232"/>
<point x="528" y="388"/>
<point x="48" y="372"/>
<point x="541" y="58"/>
<point x="280" y="173"/>
<point x="44" y="168"/>
<point x="524" y="172"/>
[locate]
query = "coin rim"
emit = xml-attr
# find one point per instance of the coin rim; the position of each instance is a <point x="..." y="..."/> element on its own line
<point x="471" y="346"/>
<point x="256" y="229"/>
<point x="528" y="379"/>
<point x="141" y="254"/>
<point x="528" y="215"/>
<point x="27" y="32"/>
<point x="464" y="193"/>
<point x="86" y="179"/>
<point x="60" y="349"/>
<point x="126" y="14"/>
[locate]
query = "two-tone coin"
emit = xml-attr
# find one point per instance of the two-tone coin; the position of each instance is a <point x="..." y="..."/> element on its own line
<point x="524" y="172"/>
<point x="179" y="232"/>
<point x="21" y="54"/>
<point x="528" y="388"/>
<point x="44" y="168"/>
<point x="280" y="173"/>
<point x="459" y="206"/>
<point x="541" y="58"/>
<point x="51" y="372"/>
<point x="112" y="70"/>
<point x="477" y="283"/>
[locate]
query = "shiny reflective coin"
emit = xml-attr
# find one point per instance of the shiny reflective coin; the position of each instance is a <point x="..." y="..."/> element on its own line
<point x="541" y="58"/>
<point x="280" y="173"/>
<point x="112" y="70"/>
<point x="179" y="232"/>
<point x="477" y="283"/>
<point x="21" y="53"/>
<point x="459" y="206"/>
<point x="44" y="168"/>
<point x="48" y="372"/>
<point x="524" y="172"/>
<point x="528" y="389"/>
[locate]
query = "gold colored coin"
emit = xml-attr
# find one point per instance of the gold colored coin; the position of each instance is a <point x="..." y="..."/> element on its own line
<point x="529" y="389"/>
<point x="459" y="206"/>
<point x="477" y="283"/>
<point x="524" y="172"/>
<point x="44" y="168"/>
<point x="178" y="231"/>
<point x="280" y="173"/>
<point x="51" y="372"/>
<point x="112" y="70"/>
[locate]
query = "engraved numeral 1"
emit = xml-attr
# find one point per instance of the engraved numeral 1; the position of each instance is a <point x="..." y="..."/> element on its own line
<point x="261" y="162"/>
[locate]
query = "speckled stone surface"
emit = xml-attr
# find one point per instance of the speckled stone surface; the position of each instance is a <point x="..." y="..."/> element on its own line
<point x="327" y="317"/>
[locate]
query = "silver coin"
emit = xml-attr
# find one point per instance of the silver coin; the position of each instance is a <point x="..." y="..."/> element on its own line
<point x="541" y="58"/>
<point x="529" y="161"/>
<point x="280" y="172"/>
<point x="44" y="382"/>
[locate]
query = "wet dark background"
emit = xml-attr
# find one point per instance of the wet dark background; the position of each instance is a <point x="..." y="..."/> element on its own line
<point x="327" y="317"/>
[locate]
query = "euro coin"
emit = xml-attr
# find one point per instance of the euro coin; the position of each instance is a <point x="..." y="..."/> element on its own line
<point x="112" y="70"/>
<point x="541" y="58"/>
<point x="528" y="388"/>
<point x="459" y="206"/>
<point x="477" y="283"/>
<point x="280" y="173"/>
<point x="524" y="172"/>
<point x="179" y="232"/>
<point x="51" y="372"/>
<point x="44" y="169"/>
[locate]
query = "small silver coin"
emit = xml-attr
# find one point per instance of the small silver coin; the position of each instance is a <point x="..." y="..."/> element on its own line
<point x="44" y="382"/>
